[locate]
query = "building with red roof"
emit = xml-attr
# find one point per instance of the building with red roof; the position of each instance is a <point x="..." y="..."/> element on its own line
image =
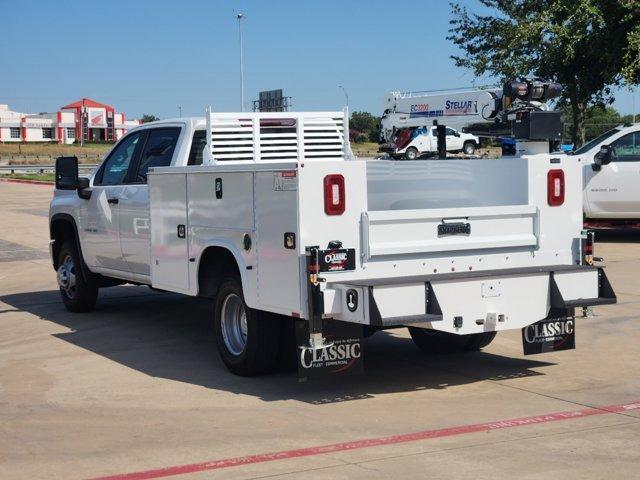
<point x="84" y="119"/>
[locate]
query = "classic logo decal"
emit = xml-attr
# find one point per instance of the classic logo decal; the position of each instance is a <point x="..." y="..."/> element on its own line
<point x="337" y="260"/>
<point x="549" y="335"/>
<point x="343" y="356"/>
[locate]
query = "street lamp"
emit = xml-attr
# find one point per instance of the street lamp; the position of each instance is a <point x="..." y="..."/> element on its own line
<point x="240" y="16"/>
<point x="180" y="110"/>
<point x="346" y="95"/>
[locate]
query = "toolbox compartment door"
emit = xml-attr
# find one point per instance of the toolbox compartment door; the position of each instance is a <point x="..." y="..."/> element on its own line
<point x="169" y="232"/>
<point x="398" y="232"/>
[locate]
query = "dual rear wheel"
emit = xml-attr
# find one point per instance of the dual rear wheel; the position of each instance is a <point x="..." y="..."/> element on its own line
<point x="248" y="340"/>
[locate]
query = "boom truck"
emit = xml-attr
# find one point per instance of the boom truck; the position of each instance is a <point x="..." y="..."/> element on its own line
<point x="303" y="249"/>
<point x="406" y="129"/>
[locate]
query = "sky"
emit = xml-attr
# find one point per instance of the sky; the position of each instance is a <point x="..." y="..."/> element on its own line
<point x="157" y="56"/>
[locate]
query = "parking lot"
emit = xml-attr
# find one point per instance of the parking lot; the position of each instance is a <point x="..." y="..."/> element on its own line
<point x="136" y="389"/>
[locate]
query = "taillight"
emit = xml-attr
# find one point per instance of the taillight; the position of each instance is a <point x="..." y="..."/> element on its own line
<point x="555" y="188"/>
<point x="334" y="201"/>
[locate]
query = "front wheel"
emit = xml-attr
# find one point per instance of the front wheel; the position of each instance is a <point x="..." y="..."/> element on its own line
<point x="78" y="293"/>
<point x="433" y="341"/>
<point x="469" y="148"/>
<point x="248" y="340"/>
<point x="411" y="153"/>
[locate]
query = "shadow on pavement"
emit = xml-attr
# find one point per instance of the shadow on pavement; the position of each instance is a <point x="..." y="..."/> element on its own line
<point x="169" y="336"/>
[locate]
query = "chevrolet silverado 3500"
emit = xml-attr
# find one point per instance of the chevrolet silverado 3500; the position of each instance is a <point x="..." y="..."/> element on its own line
<point x="271" y="217"/>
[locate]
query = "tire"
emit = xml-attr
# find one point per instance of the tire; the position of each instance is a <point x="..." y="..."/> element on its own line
<point x="248" y="340"/>
<point x="288" y="355"/>
<point x="78" y="293"/>
<point x="432" y="341"/>
<point x="478" y="341"/>
<point x="469" y="148"/>
<point x="411" y="153"/>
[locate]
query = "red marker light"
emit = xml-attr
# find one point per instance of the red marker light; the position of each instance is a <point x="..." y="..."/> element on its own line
<point x="555" y="188"/>
<point x="334" y="195"/>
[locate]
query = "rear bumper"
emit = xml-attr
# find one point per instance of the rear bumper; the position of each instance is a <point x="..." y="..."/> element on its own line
<point x="469" y="302"/>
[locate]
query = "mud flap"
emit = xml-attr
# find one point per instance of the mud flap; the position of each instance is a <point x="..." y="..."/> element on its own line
<point x="342" y="356"/>
<point x="554" y="333"/>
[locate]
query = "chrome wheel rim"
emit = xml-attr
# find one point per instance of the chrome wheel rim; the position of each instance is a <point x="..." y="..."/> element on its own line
<point x="67" y="276"/>
<point x="233" y="318"/>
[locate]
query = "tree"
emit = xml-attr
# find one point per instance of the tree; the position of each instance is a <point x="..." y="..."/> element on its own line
<point x="598" y="120"/>
<point x="586" y="45"/>
<point x="366" y="124"/>
<point x="146" y="118"/>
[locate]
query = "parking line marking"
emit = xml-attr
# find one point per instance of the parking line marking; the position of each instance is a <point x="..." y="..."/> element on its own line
<point x="371" y="442"/>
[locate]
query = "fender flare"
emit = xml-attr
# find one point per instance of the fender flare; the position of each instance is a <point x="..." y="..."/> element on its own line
<point x="68" y="218"/>
<point x="239" y="259"/>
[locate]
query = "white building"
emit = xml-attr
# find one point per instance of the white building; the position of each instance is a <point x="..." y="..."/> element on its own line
<point x="95" y="121"/>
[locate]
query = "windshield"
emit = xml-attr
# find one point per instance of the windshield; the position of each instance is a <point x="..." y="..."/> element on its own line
<point x="589" y="145"/>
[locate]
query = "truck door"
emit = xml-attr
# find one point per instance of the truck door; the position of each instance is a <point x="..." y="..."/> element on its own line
<point x="135" y="234"/>
<point x="613" y="190"/>
<point x="100" y="238"/>
<point x="454" y="142"/>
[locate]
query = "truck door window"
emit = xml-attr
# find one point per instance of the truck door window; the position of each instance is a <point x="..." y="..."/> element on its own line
<point x="158" y="151"/>
<point x="627" y="148"/>
<point x="197" y="147"/>
<point x="115" y="167"/>
<point x="450" y="132"/>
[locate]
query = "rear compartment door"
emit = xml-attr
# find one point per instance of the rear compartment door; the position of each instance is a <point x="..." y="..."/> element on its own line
<point x="398" y="232"/>
<point x="276" y="210"/>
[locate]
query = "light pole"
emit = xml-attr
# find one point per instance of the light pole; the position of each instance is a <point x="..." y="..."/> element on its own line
<point x="240" y="16"/>
<point x="346" y="95"/>
<point x="180" y="110"/>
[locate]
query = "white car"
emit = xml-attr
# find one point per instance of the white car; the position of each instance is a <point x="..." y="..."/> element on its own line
<point x="612" y="175"/>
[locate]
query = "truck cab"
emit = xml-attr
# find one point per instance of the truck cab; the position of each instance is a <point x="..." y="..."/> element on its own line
<point x="611" y="189"/>
<point x="112" y="216"/>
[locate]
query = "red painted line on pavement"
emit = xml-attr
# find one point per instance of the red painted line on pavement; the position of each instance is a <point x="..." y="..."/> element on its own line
<point x="30" y="182"/>
<point x="371" y="442"/>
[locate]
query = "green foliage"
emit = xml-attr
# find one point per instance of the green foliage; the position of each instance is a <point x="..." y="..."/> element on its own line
<point x="598" y="119"/>
<point x="586" y="45"/>
<point x="146" y="118"/>
<point x="364" y="127"/>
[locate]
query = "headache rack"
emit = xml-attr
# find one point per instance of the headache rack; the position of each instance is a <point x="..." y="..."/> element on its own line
<point x="276" y="137"/>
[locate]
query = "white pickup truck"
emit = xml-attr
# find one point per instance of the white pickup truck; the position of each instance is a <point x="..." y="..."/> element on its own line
<point x="422" y="141"/>
<point x="612" y="177"/>
<point x="270" y="216"/>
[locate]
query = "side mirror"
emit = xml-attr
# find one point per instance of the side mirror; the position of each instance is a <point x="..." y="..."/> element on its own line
<point x="457" y="134"/>
<point x="67" y="173"/>
<point x="605" y="156"/>
<point x="84" y="191"/>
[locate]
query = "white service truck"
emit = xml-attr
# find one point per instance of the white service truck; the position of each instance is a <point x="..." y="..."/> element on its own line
<point x="611" y="176"/>
<point x="271" y="217"/>
<point x="407" y="117"/>
<point x="421" y="141"/>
